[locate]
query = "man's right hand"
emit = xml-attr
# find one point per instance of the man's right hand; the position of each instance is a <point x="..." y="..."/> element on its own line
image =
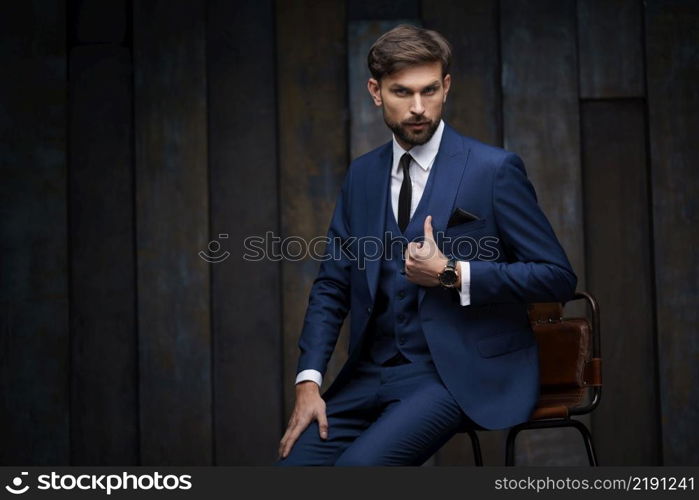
<point x="309" y="406"/>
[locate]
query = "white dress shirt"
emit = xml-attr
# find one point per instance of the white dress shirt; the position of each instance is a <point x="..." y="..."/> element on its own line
<point x="422" y="159"/>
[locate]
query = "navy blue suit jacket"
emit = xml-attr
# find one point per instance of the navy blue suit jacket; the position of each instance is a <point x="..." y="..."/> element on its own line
<point x="485" y="353"/>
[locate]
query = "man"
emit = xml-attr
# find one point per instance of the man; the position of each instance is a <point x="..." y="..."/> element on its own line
<point x="440" y="338"/>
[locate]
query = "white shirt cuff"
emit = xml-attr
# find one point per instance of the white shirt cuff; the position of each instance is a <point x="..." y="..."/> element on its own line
<point x="313" y="375"/>
<point x="465" y="291"/>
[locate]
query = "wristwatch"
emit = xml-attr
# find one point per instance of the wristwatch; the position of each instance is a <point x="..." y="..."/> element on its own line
<point x="449" y="275"/>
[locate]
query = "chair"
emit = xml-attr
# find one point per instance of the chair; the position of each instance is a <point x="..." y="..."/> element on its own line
<point x="570" y="367"/>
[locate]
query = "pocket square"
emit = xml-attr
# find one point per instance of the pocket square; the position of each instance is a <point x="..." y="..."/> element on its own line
<point x="461" y="216"/>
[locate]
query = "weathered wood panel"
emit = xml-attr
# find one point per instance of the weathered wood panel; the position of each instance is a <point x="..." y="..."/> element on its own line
<point x="620" y="276"/>
<point x="541" y="124"/>
<point x="104" y="388"/>
<point x="610" y="48"/>
<point x="367" y="21"/>
<point x="99" y="21"/>
<point x="243" y="185"/>
<point x="367" y="127"/>
<point x="474" y="108"/>
<point x="382" y="9"/>
<point x="172" y="227"/>
<point x="34" y="337"/>
<point x="474" y="105"/>
<point x="311" y="88"/>
<point x="672" y="38"/>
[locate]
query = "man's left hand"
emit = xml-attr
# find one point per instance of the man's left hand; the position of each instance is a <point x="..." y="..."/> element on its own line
<point x="424" y="260"/>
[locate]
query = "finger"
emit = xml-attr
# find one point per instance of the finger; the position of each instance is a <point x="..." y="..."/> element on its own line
<point x="285" y="438"/>
<point x="428" y="228"/>
<point x="408" y="266"/>
<point x="323" y="425"/>
<point x="413" y="249"/>
<point x="294" y="434"/>
<point x="282" y="442"/>
<point x="289" y="444"/>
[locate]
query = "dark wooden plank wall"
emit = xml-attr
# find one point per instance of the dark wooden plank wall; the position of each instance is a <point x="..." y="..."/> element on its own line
<point x="313" y="130"/>
<point x="619" y="275"/>
<point x="104" y="391"/>
<point x="541" y="124"/>
<point x="474" y="108"/>
<point x="187" y="362"/>
<point x="243" y="187"/>
<point x="672" y="38"/>
<point x="366" y="22"/>
<point x="34" y="333"/>
<point x="172" y="226"/>
<point x="367" y="127"/>
<point x="618" y="247"/>
<point x="611" y="55"/>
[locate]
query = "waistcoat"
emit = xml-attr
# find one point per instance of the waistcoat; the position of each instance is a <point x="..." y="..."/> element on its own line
<point x="395" y="326"/>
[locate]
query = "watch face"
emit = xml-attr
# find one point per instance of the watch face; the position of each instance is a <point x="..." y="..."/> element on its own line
<point x="448" y="277"/>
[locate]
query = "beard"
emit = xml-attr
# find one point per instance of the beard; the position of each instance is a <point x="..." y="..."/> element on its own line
<point x="414" y="138"/>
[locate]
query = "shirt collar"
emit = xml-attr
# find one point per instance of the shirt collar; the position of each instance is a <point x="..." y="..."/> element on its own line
<point x="423" y="154"/>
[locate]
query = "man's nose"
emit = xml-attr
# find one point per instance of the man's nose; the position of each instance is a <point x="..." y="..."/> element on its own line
<point x="417" y="107"/>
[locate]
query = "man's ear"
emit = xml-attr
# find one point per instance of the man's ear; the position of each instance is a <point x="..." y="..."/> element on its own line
<point x="447" y="85"/>
<point x="375" y="91"/>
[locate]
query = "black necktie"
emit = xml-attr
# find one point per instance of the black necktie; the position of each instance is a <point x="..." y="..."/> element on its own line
<point x="406" y="194"/>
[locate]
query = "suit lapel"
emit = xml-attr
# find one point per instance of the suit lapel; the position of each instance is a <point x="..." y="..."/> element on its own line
<point x="449" y="166"/>
<point x="376" y="190"/>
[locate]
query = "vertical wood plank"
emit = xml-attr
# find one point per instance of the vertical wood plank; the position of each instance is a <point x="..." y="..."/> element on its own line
<point x="34" y="336"/>
<point x="610" y="48"/>
<point x="367" y="21"/>
<point x="172" y="227"/>
<point x="474" y="108"/>
<point x="311" y="88"/>
<point x="367" y="127"/>
<point x="541" y="124"/>
<point x="104" y="390"/>
<point x="382" y="9"/>
<point x="243" y="184"/>
<point x="620" y="276"/>
<point x="672" y="58"/>
<point x="98" y="21"/>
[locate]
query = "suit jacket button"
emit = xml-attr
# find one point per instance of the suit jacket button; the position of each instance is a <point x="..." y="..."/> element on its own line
<point x="368" y="310"/>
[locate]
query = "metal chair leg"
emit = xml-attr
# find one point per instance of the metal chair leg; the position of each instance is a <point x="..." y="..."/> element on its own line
<point x="510" y="446"/>
<point x="476" y="444"/>
<point x="587" y="438"/>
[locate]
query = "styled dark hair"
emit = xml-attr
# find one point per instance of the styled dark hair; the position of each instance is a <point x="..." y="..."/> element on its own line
<point x="406" y="45"/>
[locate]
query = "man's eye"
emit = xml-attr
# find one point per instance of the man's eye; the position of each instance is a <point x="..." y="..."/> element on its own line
<point x="400" y="92"/>
<point x="429" y="91"/>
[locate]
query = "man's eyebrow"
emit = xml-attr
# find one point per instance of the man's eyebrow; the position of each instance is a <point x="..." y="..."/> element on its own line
<point x="398" y="86"/>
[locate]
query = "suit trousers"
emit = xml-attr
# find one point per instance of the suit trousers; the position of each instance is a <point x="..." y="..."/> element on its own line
<point x="384" y="415"/>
